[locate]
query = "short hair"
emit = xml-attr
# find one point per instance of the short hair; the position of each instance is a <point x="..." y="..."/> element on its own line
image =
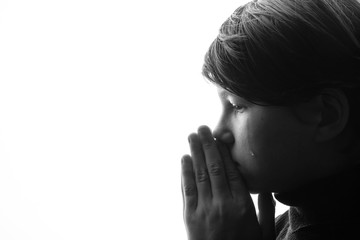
<point x="283" y="52"/>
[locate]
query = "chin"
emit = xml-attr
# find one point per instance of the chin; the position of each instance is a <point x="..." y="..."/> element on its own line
<point x="257" y="188"/>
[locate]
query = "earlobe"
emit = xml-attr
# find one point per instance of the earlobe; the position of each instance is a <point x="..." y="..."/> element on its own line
<point x="334" y="114"/>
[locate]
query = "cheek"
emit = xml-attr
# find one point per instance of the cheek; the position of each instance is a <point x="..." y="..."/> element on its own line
<point x="252" y="141"/>
<point x="272" y="137"/>
<point x="241" y="150"/>
<point x="267" y="153"/>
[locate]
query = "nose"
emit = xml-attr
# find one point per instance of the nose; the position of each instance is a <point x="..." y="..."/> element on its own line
<point x="223" y="133"/>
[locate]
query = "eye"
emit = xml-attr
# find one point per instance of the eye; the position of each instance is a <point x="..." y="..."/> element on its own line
<point x="238" y="108"/>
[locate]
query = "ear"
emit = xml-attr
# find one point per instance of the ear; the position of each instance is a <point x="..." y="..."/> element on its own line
<point x="334" y="114"/>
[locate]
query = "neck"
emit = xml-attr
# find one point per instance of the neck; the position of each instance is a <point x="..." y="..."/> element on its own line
<point x="327" y="199"/>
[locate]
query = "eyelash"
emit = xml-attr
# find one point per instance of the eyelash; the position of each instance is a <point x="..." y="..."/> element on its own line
<point x="237" y="108"/>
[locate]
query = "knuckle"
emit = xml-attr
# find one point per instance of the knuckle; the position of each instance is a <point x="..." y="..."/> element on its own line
<point x="207" y="144"/>
<point x="215" y="169"/>
<point x="189" y="190"/>
<point x="232" y="175"/>
<point x="201" y="175"/>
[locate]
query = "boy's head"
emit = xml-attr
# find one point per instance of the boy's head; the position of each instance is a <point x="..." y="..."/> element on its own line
<point x="300" y="56"/>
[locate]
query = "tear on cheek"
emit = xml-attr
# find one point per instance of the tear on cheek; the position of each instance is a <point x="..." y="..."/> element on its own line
<point x="252" y="153"/>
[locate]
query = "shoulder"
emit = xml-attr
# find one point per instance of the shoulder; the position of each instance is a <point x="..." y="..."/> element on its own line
<point x="282" y="224"/>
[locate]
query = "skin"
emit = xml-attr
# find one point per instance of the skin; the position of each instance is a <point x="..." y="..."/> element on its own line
<point x="257" y="149"/>
<point x="217" y="204"/>
<point x="271" y="146"/>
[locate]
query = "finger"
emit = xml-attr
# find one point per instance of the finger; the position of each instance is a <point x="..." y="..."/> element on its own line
<point x="214" y="163"/>
<point x="201" y="175"/>
<point x="235" y="181"/>
<point x="188" y="184"/>
<point x="266" y="216"/>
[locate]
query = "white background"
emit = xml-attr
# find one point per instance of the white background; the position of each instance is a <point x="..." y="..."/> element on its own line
<point x="97" y="99"/>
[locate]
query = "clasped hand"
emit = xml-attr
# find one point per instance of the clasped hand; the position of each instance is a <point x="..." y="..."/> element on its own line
<point x="217" y="204"/>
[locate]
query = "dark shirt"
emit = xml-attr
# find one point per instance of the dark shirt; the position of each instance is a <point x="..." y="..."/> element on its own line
<point x="325" y="209"/>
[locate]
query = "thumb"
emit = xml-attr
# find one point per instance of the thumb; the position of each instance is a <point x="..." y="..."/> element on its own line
<point x="266" y="216"/>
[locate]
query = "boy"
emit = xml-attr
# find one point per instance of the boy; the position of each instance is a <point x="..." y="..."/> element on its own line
<point x="288" y="76"/>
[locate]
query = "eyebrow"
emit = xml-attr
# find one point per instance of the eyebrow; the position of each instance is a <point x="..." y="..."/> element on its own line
<point x="225" y="95"/>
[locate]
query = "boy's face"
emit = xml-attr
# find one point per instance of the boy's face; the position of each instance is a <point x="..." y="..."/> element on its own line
<point x="275" y="151"/>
